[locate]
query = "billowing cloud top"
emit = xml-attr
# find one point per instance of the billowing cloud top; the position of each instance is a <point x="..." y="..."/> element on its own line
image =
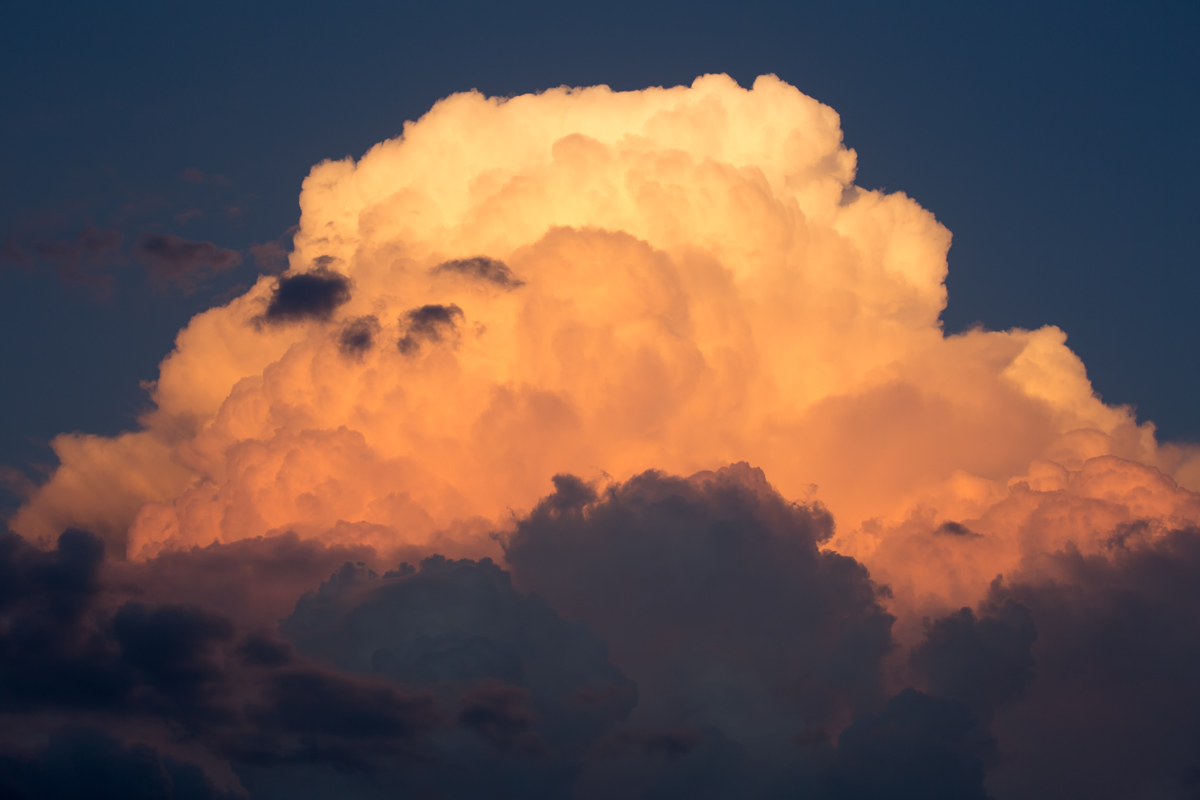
<point x="600" y="282"/>
<point x="616" y="291"/>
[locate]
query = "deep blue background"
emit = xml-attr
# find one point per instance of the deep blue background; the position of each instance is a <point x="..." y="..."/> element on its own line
<point x="1057" y="141"/>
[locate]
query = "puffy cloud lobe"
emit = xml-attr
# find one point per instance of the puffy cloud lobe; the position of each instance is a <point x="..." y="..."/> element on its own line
<point x="929" y="564"/>
<point x="307" y="295"/>
<point x="714" y="597"/>
<point x="182" y="261"/>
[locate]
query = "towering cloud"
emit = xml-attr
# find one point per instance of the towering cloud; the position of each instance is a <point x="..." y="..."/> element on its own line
<point x="595" y="282"/>
<point x="616" y="295"/>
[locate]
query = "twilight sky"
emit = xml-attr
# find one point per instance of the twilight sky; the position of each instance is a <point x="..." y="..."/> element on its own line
<point x="723" y="469"/>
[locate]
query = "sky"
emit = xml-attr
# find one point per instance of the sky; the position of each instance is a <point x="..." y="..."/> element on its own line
<point x="804" y="408"/>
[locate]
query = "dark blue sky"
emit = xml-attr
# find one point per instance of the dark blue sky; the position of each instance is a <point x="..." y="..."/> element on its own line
<point x="1057" y="142"/>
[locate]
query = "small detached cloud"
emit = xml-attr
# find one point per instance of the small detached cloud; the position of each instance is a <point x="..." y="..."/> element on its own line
<point x="358" y="337"/>
<point x="80" y="260"/>
<point x="307" y="296"/>
<point x="183" y="262"/>
<point x="197" y="175"/>
<point x="481" y="268"/>
<point x="951" y="528"/>
<point x="431" y="323"/>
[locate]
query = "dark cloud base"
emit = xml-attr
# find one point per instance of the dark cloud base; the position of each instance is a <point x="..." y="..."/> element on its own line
<point x="660" y="638"/>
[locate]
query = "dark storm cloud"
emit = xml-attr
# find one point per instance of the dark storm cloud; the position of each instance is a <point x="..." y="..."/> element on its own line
<point x="460" y="627"/>
<point x="481" y="268"/>
<point x="311" y="714"/>
<point x="358" y="336"/>
<point x="712" y="595"/>
<point x="500" y="714"/>
<point x="173" y="259"/>
<point x="937" y="743"/>
<point x="70" y="646"/>
<point x="983" y="661"/>
<point x="757" y="658"/>
<point x="431" y="323"/>
<point x="254" y="580"/>
<point x="53" y="655"/>
<point x="172" y="652"/>
<point x="86" y="763"/>
<point x="1110" y="710"/>
<point x="307" y="296"/>
<point x="917" y="747"/>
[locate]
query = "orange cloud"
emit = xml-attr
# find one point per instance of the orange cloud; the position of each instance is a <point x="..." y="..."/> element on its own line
<point x="600" y="283"/>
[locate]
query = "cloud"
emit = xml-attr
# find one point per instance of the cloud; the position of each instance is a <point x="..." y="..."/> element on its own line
<point x="1107" y="711"/>
<point x="601" y="292"/>
<point x="918" y="746"/>
<point x="79" y="261"/>
<point x="500" y="715"/>
<point x="359" y="335"/>
<point x="459" y="628"/>
<point x="196" y="175"/>
<point x="481" y="268"/>
<point x="713" y="594"/>
<point x="90" y="763"/>
<point x="71" y="647"/>
<point x="307" y="296"/>
<point x="699" y="286"/>
<point x="183" y="262"/>
<point x="982" y="662"/>
<point x="431" y="324"/>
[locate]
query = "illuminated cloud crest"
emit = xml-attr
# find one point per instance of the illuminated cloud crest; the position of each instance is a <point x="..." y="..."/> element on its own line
<point x="967" y="576"/>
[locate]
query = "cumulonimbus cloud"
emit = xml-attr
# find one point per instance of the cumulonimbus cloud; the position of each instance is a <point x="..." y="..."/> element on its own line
<point x="700" y="282"/>
<point x="540" y="330"/>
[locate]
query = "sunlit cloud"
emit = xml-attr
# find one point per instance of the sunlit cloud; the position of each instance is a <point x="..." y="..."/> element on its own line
<point x="519" y="348"/>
